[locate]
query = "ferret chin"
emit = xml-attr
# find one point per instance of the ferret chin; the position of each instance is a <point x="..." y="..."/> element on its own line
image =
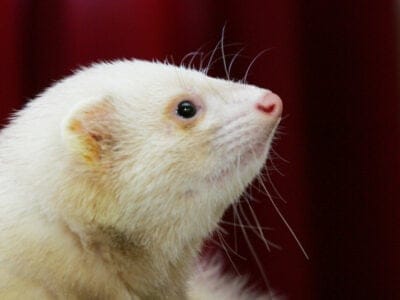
<point x="112" y="178"/>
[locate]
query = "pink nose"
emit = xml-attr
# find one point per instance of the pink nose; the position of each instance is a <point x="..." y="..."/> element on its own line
<point x="270" y="104"/>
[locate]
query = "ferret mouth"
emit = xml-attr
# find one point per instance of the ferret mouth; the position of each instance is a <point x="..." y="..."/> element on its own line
<point x="254" y="154"/>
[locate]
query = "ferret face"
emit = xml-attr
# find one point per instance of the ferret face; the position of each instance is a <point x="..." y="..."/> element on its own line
<point x="176" y="145"/>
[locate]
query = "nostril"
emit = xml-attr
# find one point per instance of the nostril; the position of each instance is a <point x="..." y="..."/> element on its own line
<point x="267" y="109"/>
<point x="270" y="104"/>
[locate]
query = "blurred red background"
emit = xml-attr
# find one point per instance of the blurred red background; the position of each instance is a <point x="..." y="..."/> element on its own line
<point x="335" y="66"/>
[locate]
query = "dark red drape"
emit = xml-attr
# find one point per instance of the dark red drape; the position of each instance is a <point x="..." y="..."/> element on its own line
<point x="335" y="66"/>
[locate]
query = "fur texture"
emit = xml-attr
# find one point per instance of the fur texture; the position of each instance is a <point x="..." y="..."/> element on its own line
<point x="106" y="193"/>
<point x="209" y="282"/>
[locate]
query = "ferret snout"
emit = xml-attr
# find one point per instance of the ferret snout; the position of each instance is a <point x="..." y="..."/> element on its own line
<point x="270" y="104"/>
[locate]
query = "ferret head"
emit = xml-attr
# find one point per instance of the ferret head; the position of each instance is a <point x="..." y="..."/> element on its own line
<point x="165" y="149"/>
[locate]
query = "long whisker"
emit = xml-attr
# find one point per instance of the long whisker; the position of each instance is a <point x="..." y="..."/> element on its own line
<point x="200" y="54"/>
<point x="249" y="244"/>
<point x="223" y="52"/>
<point x="273" y="165"/>
<point x="272" y="184"/>
<point x="230" y="248"/>
<point x="252" y="63"/>
<point x="210" y="55"/>
<point x="255" y="230"/>
<point x="235" y="240"/>
<point x="279" y="156"/>
<point x="193" y="53"/>
<point x="234" y="59"/>
<point x="245" y="226"/>
<point x="258" y="226"/>
<point x="256" y="258"/>
<point x="285" y="221"/>
<point x="192" y="56"/>
<point x="220" y="58"/>
<point x="227" y="254"/>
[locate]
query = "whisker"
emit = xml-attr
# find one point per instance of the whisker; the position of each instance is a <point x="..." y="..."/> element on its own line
<point x="200" y="54"/>
<point x="192" y="56"/>
<point x="252" y="63"/>
<point x="255" y="230"/>
<point x="258" y="225"/>
<point x="256" y="258"/>
<point x="206" y="70"/>
<point x="249" y="244"/>
<point x="235" y="240"/>
<point x="234" y="59"/>
<point x="246" y="226"/>
<point x="223" y="52"/>
<point x="285" y="221"/>
<point x="270" y="179"/>
<point x="230" y="248"/>
<point x="227" y="254"/>
<point x="279" y="156"/>
<point x="273" y="165"/>
<point x="219" y="58"/>
<point x="210" y="55"/>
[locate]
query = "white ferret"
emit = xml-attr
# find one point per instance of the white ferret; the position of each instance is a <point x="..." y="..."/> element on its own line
<point x="113" y="177"/>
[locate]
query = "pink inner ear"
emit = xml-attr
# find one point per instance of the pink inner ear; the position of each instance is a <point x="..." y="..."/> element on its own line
<point x="83" y="142"/>
<point x="91" y="130"/>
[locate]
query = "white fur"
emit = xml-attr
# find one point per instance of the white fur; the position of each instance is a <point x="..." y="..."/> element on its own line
<point x="209" y="282"/>
<point x="106" y="194"/>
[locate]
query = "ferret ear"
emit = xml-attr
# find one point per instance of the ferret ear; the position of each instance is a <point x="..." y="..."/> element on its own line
<point x="88" y="130"/>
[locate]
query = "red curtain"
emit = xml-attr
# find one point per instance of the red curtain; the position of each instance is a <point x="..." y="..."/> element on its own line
<point x="335" y="66"/>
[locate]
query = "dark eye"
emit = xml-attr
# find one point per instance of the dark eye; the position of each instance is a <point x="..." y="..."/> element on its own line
<point x="186" y="109"/>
